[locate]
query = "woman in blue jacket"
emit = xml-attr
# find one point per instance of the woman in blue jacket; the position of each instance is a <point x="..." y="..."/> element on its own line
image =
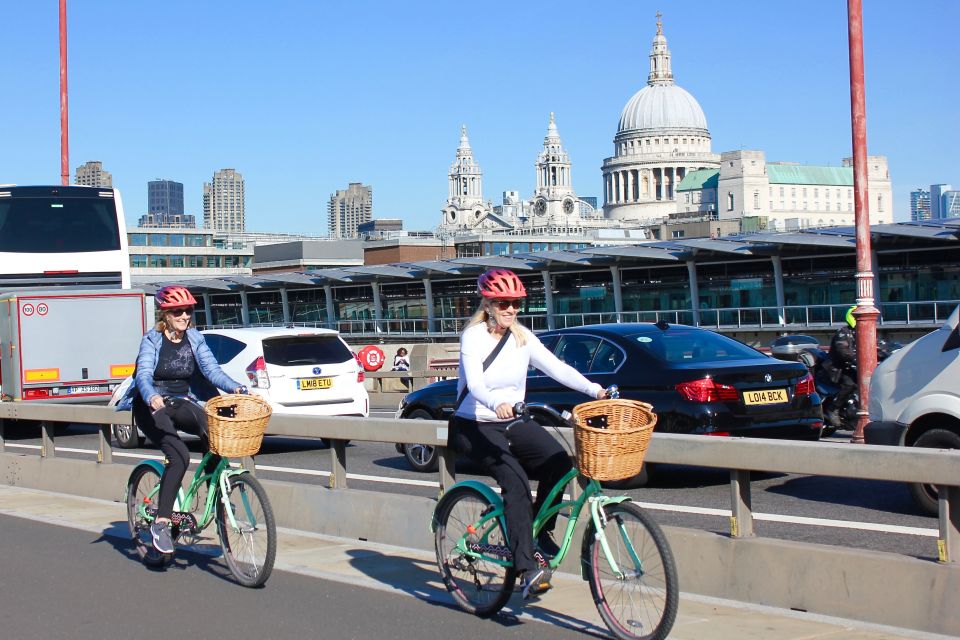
<point x="175" y="372"/>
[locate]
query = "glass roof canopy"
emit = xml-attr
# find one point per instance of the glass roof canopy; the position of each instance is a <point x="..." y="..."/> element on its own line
<point x="641" y="254"/>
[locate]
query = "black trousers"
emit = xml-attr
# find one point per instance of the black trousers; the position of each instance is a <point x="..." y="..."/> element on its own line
<point x="161" y="427"/>
<point x="509" y="457"/>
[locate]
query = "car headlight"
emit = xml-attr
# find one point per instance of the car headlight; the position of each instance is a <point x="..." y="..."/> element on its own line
<point x="403" y="403"/>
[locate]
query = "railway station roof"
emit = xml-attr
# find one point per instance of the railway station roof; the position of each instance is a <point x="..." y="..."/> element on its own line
<point x="648" y="253"/>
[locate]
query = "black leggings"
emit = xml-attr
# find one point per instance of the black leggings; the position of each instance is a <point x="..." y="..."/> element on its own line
<point x="161" y="427"/>
<point x="529" y="448"/>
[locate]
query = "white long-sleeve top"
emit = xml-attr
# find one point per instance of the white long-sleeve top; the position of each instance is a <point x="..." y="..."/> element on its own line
<point x="505" y="380"/>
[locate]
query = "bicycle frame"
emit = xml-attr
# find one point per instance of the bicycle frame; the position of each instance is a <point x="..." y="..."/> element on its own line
<point x="592" y="495"/>
<point x="223" y="472"/>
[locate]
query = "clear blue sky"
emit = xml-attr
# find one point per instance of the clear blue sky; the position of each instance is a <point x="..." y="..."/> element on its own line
<point x="304" y="97"/>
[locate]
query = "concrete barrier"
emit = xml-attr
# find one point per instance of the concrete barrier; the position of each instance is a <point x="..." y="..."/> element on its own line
<point x="871" y="586"/>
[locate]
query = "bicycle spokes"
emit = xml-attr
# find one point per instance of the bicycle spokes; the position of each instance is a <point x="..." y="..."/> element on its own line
<point x="632" y="573"/>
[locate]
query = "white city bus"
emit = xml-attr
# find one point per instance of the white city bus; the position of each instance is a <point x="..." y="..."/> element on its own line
<point x="54" y="235"/>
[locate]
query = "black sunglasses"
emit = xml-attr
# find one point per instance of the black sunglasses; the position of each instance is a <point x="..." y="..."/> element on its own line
<point x="183" y="311"/>
<point x="503" y="305"/>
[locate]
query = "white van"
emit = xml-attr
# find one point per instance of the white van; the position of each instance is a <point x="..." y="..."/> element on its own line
<point x="915" y="399"/>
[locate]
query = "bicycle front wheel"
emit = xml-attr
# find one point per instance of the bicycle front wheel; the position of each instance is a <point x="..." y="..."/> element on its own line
<point x="249" y="538"/>
<point x="638" y="600"/>
<point x="479" y="586"/>
<point x="142" y="492"/>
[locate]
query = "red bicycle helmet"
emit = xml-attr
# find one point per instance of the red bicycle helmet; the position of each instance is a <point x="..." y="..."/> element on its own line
<point x="174" y="296"/>
<point x="500" y="283"/>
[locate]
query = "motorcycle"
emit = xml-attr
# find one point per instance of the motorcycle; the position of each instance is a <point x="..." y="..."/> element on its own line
<point x="839" y="414"/>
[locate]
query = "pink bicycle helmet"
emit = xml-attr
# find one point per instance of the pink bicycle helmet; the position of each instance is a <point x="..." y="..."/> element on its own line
<point x="174" y="296"/>
<point x="500" y="283"/>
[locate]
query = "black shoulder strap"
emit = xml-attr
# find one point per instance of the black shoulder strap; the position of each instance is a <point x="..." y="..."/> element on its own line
<point x="486" y="364"/>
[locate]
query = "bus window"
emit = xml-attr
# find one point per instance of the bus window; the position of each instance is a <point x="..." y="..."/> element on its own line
<point x="62" y="236"/>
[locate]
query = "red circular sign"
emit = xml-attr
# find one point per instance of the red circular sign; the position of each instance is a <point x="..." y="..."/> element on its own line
<point x="371" y="357"/>
<point x="27" y="309"/>
<point x="42" y="308"/>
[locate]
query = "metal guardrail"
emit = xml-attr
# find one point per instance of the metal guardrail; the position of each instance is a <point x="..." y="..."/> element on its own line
<point x="739" y="455"/>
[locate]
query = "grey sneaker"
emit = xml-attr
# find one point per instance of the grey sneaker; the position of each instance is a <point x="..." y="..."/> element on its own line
<point x="536" y="582"/>
<point x="162" y="541"/>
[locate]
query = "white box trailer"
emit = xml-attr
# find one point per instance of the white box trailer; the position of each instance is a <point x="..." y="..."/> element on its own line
<point x="67" y="345"/>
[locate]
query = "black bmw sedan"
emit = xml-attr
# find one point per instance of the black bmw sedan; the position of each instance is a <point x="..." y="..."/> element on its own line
<point x="698" y="382"/>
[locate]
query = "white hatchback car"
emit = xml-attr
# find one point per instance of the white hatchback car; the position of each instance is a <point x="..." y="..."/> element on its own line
<point x="302" y="371"/>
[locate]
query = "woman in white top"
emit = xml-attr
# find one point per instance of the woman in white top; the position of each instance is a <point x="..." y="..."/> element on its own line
<point x="487" y="408"/>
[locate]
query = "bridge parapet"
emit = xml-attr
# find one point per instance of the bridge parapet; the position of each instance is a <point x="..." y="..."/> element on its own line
<point x="739" y="456"/>
<point x="831" y="580"/>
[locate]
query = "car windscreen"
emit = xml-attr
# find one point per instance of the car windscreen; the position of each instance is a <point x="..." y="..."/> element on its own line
<point x="678" y="345"/>
<point x="58" y="225"/>
<point x="296" y="350"/>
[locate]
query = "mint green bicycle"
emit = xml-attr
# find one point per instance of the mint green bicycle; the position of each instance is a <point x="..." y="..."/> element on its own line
<point x="624" y="554"/>
<point x="232" y="497"/>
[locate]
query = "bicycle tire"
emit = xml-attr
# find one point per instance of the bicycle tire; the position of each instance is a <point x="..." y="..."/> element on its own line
<point x="143" y="480"/>
<point x="642" y="606"/>
<point x="478" y="586"/>
<point x="250" y="551"/>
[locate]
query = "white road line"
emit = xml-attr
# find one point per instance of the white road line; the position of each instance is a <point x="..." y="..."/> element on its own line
<point x="656" y="506"/>
<point x="816" y="522"/>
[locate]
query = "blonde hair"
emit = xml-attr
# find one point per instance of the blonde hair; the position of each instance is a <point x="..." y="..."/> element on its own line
<point x="482" y="316"/>
<point x="161" y="325"/>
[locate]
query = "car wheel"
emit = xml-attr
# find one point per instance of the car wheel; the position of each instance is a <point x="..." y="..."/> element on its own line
<point x="127" y="435"/>
<point x="925" y="495"/>
<point x="635" y="482"/>
<point x="422" y="457"/>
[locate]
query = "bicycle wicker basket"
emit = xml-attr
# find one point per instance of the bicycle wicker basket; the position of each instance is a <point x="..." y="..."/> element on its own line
<point x="239" y="434"/>
<point x="614" y="448"/>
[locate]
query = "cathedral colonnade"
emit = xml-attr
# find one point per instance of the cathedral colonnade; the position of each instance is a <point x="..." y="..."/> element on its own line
<point x="625" y="186"/>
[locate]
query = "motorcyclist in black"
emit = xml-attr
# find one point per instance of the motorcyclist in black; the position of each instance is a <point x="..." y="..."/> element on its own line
<point x="843" y="364"/>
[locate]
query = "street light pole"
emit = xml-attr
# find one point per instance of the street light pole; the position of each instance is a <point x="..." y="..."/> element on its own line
<point x="64" y="137"/>
<point x="866" y="313"/>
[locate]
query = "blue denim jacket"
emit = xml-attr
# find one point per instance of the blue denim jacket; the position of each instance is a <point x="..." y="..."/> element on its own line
<point x="203" y="384"/>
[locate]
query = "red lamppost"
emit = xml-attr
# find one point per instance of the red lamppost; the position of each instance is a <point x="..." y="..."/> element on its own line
<point x="64" y="137"/>
<point x="866" y="313"/>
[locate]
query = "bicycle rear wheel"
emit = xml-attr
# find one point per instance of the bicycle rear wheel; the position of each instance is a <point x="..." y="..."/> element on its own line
<point x="250" y="547"/>
<point x="142" y="491"/>
<point x="639" y="603"/>
<point x="479" y="586"/>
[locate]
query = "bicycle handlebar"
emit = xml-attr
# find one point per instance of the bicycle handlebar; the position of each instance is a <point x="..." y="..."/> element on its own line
<point x="522" y="409"/>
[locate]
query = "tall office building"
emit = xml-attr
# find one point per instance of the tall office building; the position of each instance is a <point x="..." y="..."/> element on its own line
<point x="91" y="174"/>
<point x="950" y="204"/>
<point x="223" y="202"/>
<point x="349" y="208"/>
<point x="919" y="205"/>
<point x="936" y="200"/>
<point x="165" y="196"/>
